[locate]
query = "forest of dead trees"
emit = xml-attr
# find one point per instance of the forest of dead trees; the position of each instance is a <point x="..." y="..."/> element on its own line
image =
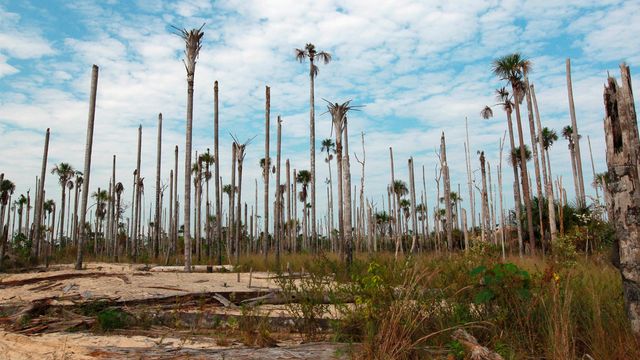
<point x="202" y="213"/>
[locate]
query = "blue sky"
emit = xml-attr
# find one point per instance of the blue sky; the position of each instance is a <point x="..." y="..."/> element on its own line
<point x="418" y="67"/>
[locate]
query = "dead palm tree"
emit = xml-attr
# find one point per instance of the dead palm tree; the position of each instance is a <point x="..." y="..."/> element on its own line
<point x="310" y="52"/>
<point x="513" y="68"/>
<point x="87" y="163"/>
<point x="193" y="44"/>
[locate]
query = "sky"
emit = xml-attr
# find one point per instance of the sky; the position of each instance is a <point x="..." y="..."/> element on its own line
<point x="417" y="68"/>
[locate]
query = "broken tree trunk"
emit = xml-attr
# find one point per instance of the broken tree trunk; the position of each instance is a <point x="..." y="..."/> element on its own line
<point x="621" y="134"/>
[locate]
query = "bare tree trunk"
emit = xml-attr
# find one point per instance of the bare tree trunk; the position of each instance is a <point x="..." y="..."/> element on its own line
<point x="176" y="213"/>
<point x="265" y="174"/>
<point x="548" y="183"/>
<point x="156" y="241"/>
<point x="347" y="210"/>
<point x="467" y="156"/>
<point x="593" y="169"/>
<point x="447" y="192"/>
<point x="277" y="214"/>
<point x="502" y="227"/>
<point x="576" y="138"/>
<point x="536" y="163"/>
<point x="396" y="212"/>
<point x="623" y="160"/>
<point x="485" y="201"/>
<point x="464" y="230"/>
<point x="136" y="220"/>
<point x="288" y="220"/>
<point x="516" y="187"/>
<point x="87" y="164"/>
<point x="39" y="204"/>
<point x="414" y="218"/>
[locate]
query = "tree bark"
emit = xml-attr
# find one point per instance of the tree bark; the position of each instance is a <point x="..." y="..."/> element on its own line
<point x="265" y="174"/>
<point x="87" y="164"/>
<point x="447" y="192"/>
<point x="39" y="204"/>
<point x="576" y="138"/>
<point x="156" y="240"/>
<point x="623" y="160"/>
<point x="548" y="183"/>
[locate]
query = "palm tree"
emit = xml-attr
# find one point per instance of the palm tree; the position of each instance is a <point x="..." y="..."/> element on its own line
<point x="101" y="197"/>
<point x="65" y="173"/>
<point x="304" y="178"/>
<point x="567" y="133"/>
<point x="119" y="188"/>
<point x="399" y="188"/>
<point x="506" y="101"/>
<point x="310" y="52"/>
<point x="339" y="118"/>
<point x="513" y="68"/>
<point x="193" y="43"/>
<point x="78" y="181"/>
<point x="20" y="203"/>
<point x="207" y="160"/>
<point x="87" y="162"/>
<point x="329" y="147"/>
<point x="240" y="154"/>
<point x="514" y="156"/>
<point x="49" y="207"/>
<point x="7" y="187"/>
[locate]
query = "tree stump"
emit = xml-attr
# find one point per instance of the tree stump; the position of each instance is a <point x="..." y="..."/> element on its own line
<point x="621" y="133"/>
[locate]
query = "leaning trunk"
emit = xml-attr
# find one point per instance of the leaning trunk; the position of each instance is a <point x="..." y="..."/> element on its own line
<point x="87" y="164"/>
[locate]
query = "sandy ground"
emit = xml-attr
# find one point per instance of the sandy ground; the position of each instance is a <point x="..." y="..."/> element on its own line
<point x="58" y="346"/>
<point x="125" y="282"/>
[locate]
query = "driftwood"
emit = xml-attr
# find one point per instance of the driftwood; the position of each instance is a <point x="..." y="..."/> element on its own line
<point x="476" y="351"/>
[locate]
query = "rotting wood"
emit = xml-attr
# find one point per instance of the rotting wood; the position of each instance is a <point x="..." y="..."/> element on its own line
<point x="623" y="144"/>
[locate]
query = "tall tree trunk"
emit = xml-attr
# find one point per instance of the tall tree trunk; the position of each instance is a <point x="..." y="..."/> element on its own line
<point x="217" y="172"/>
<point x="524" y="174"/>
<point x="187" y="175"/>
<point x="156" y="240"/>
<point x="39" y="204"/>
<point x="467" y="155"/>
<point x="593" y="169"/>
<point x="575" y="136"/>
<point x="485" y="200"/>
<point x="396" y="212"/>
<point x="265" y="173"/>
<point x="447" y="192"/>
<point x="176" y="216"/>
<point x="87" y="164"/>
<point x="277" y="213"/>
<point x="348" y="233"/>
<point x="113" y="230"/>
<point x="536" y="163"/>
<point x="312" y="147"/>
<point x="136" y="221"/>
<point x="516" y="186"/>
<point x="548" y="183"/>
<point x="239" y="159"/>
<point x="414" y="218"/>
<point x="623" y="160"/>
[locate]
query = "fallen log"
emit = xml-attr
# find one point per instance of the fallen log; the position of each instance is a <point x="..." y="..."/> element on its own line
<point x="476" y="351"/>
<point x="58" y="277"/>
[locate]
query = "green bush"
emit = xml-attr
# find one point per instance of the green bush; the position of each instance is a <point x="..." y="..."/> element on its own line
<point x="112" y="319"/>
